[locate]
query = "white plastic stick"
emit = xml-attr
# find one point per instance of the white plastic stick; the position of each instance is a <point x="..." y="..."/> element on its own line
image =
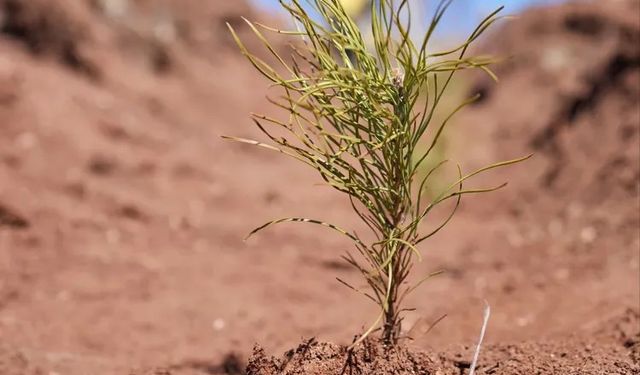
<point x="487" y="314"/>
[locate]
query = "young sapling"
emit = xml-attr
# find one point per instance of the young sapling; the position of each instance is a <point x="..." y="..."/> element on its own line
<point x="359" y="113"/>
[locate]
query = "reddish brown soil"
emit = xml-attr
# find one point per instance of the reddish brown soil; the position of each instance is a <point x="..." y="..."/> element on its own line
<point x="612" y="349"/>
<point x="122" y="212"/>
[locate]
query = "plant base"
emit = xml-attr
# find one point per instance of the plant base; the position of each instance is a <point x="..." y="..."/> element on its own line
<point x="314" y="358"/>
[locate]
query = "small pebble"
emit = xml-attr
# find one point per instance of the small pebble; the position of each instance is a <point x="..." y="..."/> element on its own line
<point x="588" y="234"/>
<point x="218" y="324"/>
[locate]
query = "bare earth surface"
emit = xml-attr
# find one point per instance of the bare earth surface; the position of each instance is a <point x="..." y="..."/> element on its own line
<point x="122" y="212"/>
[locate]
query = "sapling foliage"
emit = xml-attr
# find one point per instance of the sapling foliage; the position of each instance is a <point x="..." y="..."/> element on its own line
<point x="361" y="113"/>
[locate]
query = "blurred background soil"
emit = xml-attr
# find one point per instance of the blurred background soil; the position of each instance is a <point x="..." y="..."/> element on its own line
<point x="122" y="212"/>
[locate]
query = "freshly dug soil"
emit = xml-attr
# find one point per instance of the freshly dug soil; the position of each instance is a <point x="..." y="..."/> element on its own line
<point x="122" y="212"/>
<point x="316" y="358"/>
<point x="610" y="350"/>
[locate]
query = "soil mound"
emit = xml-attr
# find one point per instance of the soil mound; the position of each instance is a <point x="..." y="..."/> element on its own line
<point x="610" y="349"/>
<point x="48" y="28"/>
<point x="81" y="34"/>
<point x="315" y="358"/>
<point x="569" y="92"/>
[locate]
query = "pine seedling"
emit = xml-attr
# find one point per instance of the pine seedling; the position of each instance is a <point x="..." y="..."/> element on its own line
<point x="359" y="114"/>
